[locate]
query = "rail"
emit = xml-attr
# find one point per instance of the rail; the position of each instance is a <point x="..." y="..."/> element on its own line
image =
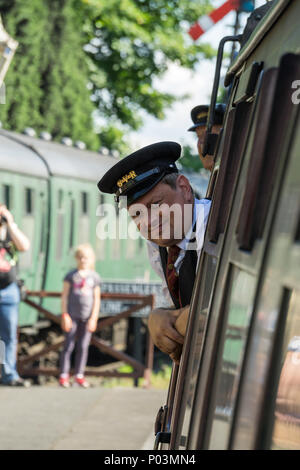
<point x="25" y="364"/>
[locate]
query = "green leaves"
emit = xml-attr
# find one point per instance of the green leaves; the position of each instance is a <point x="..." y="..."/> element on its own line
<point x="84" y="59"/>
<point x="132" y="42"/>
<point x="47" y="81"/>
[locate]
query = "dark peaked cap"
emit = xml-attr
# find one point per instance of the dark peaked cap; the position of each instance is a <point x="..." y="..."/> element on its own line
<point x="136" y="174"/>
<point x="199" y="115"/>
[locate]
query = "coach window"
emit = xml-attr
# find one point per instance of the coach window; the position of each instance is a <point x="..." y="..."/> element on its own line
<point x="286" y="430"/>
<point x="72" y="221"/>
<point x="7" y="196"/>
<point x="84" y="222"/>
<point x="100" y="241"/>
<point x="84" y="203"/>
<point x="28" y="224"/>
<point x="240" y="306"/>
<point x="59" y="225"/>
<point x="195" y="347"/>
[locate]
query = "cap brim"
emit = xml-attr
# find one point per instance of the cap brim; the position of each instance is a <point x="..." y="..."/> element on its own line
<point x="145" y="187"/>
<point x="196" y="125"/>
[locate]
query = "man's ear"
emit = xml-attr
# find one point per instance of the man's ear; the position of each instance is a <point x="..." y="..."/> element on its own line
<point x="184" y="186"/>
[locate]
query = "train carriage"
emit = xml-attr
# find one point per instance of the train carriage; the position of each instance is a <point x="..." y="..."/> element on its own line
<point x="51" y="190"/>
<point x="237" y="386"/>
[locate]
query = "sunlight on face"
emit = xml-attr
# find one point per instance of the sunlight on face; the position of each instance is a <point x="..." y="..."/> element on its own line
<point x="164" y="214"/>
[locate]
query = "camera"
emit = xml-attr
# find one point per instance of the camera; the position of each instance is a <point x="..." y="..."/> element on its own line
<point x="3" y="220"/>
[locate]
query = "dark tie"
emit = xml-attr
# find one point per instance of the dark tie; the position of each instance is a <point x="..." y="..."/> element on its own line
<point x="171" y="274"/>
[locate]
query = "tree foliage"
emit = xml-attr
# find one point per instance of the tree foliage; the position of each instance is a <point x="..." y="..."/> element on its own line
<point x="190" y="159"/>
<point x="82" y="63"/>
<point x="47" y="80"/>
<point x="130" y="44"/>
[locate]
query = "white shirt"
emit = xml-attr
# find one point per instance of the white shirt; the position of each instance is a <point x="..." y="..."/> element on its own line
<point x="200" y="215"/>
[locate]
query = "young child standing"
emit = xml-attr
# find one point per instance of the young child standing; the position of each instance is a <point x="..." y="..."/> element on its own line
<point x="80" y="309"/>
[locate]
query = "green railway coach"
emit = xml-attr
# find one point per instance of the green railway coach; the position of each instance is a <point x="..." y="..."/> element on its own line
<point x="51" y="190"/>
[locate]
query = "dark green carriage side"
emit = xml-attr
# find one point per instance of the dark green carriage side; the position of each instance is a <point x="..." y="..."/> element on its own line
<point x="24" y="189"/>
<point x="74" y="220"/>
<point x="58" y="208"/>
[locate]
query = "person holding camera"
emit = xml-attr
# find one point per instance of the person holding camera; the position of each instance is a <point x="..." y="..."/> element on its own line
<point x="12" y="240"/>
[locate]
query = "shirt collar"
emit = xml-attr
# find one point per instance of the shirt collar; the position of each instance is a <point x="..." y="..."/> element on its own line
<point x="184" y="243"/>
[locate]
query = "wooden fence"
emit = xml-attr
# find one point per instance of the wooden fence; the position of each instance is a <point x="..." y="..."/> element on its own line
<point x="141" y="369"/>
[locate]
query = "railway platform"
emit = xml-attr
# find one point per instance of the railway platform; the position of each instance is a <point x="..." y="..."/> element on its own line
<point x="98" y="418"/>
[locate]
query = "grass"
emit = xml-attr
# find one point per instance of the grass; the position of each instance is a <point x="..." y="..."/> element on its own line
<point x="159" y="380"/>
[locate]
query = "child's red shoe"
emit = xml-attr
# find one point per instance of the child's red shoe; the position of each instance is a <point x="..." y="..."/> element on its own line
<point x="81" y="381"/>
<point x="64" y="382"/>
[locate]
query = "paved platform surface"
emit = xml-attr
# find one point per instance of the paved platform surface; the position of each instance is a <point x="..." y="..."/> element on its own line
<point x="45" y="418"/>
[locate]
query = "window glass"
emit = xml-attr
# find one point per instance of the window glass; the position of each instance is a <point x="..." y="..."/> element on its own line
<point x="286" y="430"/>
<point x="7" y="196"/>
<point x="84" y="203"/>
<point x="239" y="314"/>
<point x="60" y="199"/>
<point x="28" y="200"/>
<point x="100" y="242"/>
<point x="60" y="218"/>
<point x="84" y="235"/>
<point x="43" y="210"/>
<point x="209" y="270"/>
<point x="72" y="217"/>
<point x="28" y="227"/>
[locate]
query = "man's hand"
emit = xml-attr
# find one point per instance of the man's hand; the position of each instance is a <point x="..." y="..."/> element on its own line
<point x="161" y="324"/>
<point x="4" y="212"/>
<point x="182" y="319"/>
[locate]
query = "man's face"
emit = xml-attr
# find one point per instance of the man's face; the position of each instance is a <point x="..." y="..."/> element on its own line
<point x="164" y="215"/>
<point x="208" y="160"/>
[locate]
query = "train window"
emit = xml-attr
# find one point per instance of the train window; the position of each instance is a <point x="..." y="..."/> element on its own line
<point x="43" y="225"/>
<point x="297" y="234"/>
<point x="236" y="134"/>
<point x="60" y="218"/>
<point x="7" y="196"/>
<point x="248" y="218"/>
<point x="203" y="298"/>
<point x="60" y="221"/>
<point x="29" y="201"/>
<point x="84" y="202"/>
<point x="28" y="227"/>
<point x="60" y="199"/>
<point x="84" y="222"/>
<point x="72" y="221"/>
<point x="102" y="199"/>
<point x="286" y="430"/>
<point x="231" y="353"/>
<point x="267" y="152"/>
<point x="100" y="242"/>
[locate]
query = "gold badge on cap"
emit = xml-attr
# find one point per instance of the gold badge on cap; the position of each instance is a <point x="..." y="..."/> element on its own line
<point x="125" y="178"/>
<point x="201" y="115"/>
